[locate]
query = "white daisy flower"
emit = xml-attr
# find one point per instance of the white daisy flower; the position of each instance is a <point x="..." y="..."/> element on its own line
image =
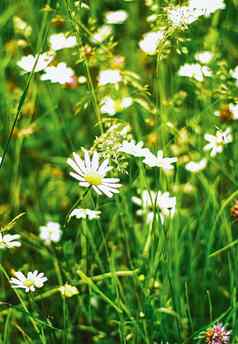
<point x="207" y="7"/>
<point x="195" y="71"/>
<point x="151" y="41"/>
<point x="204" y="57"/>
<point x="51" y="232"/>
<point x="108" y="106"/>
<point x="29" y="282"/>
<point x="27" y="62"/>
<point x="159" y="161"/>
<point x="155" y="203"/>
<point x="196" y="166"/>
<point x="133" y="148"/>
<point x="59" y="74"/>
<point x="182" y="16"/>
<point x="116" y="17"/>
<point x="80" y="213"/>
<point x="90" y="173"/>
<point x="60" y="41"/>
<point x="109" y="76"/>
<point x="217" y="142"/>
<point x="9" y="241"/>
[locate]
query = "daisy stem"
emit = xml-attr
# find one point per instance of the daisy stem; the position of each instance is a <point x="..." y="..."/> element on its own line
<point x="106" y="275"/>
<point x="75" y="205"/>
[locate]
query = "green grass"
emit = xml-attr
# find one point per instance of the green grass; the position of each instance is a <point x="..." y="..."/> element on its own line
<point x="137" y="283"/>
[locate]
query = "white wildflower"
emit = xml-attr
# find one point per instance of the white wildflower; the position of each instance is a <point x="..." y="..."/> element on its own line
<point x="102" y="34"/>
<point x="111" y="106"/>
<point x="9" y="240"/>
<point x="196" y="166"/>
<point x="59" y="74"/>
<point x="81" y="213"/>
<point x="207" y="7"/>
<point x="133" y="148"/>
<point x="151" y="41"/>
<point x="195" y="71"/>
<point x="154" y="203"/>
<point x="90" y="173"/>
<point x="116" y="17"/>
<point x="28" y="62"/>
<point x="29" y="282"/>
<point x="217" y="142"/>
<point x="60" y="41"/>
<point x="51" y="232"/>
<point x="109" y="76"/>
<point x="159" y="161"/>
<point x="204" y="57"/>
<point x="182" y="16"/>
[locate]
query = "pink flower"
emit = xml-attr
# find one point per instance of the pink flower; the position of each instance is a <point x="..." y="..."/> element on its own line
<point x="217" y="335"/>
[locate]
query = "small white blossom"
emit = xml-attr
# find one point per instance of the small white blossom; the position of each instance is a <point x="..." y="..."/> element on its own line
<point x="217" y="142"/>
<point x="207" y="7"/>
<point x="204" y="57"/>
<point x="80" y="213"/>
<point x="195" y="71"/>
<point x="60" y="41"/>
<point x="151" y="41"/>
<point x="182" y="16"/>
<point x="27" y="62"/>
<point x="159" y="161"/>
<point x="133" y="148"/>
<point x="59" y="74"/>
<point x="50" y="233"/>
<point x="29" y="282"/>
<point x="9" y="240"/>
<point x="196" y="166"/>
<point x="109" y="76"/>
<point x="116" y="17"/>
<point x="152" y="203"/>
<point x="111" y="106"/>
<point x="102" y="34"/>
<point x="90" y="173"/>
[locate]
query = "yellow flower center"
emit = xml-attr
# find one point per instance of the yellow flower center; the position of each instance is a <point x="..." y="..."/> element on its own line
<point x="93" y="178"/>
<point x="28" y="283"/>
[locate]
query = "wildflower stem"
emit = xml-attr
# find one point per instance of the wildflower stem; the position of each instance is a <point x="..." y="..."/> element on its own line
<point x="75" y="205"/>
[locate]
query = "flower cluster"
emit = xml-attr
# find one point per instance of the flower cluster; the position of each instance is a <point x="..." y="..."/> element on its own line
<point x="217" y="335"/>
